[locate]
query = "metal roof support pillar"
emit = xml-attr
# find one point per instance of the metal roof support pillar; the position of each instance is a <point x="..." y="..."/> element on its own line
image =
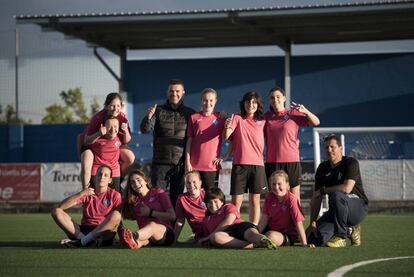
<point x="288" y="52"/>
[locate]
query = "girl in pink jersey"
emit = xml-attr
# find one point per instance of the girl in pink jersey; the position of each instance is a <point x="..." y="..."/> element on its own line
<point x="112" y="106"/>
<point x="191" y="206"/>
<point x="282" y="218"/>
<point x="106" y="150"/>
<point x="247" y="134"/>
<point x="281" y="132"/>
<point x="204" y="138"/>
<point x="101" y="215"/>
<point x="153" y="211"/>
<point x="224" y="228"/>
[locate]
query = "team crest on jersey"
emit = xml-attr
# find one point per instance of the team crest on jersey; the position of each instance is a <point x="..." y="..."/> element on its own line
<point x="339" y="176"/>
<point x="107" y="202"/>
<point x="286" y="117"/>
<point x="117" y="143"/>
<point x="152" y="198"/>
<point x="215" y="122"/>
<point x="203" y="205"/>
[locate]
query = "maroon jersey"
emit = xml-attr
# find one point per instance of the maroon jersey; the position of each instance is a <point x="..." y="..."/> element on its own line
<point x="97" y="207"/>
<point x="211" y="221"/>
<point x="157" y="200"/>
<point x="194" y="210"/>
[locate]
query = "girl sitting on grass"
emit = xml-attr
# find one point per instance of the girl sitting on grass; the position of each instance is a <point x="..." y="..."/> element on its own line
<point x="153" y="211"/>
<point x="224" y="228"/>
<point x="101" y="216"/>
<point x="282" y="218"/>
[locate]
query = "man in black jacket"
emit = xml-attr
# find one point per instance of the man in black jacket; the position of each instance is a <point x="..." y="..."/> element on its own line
<point x="168" y="123"/>
<point x="339" y="177"/>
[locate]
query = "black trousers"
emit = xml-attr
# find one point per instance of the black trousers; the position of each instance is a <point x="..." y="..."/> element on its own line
<point x="345" y="211"/>
<point x="170" y="178"/>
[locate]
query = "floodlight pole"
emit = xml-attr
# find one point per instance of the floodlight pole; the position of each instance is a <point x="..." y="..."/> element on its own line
<point x="288" y="53"/>
<point x="16" y="72"/>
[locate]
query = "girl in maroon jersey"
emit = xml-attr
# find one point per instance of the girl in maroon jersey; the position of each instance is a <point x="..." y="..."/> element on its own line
<point x="281" y="132"/>
<point x="112" y="106"/>
<point x="282" y="218"/>
<point x="101" y="215"/>
<point x="224" y="228"/>
<point x="153" y="211"/>
<point x="191" y="206"/>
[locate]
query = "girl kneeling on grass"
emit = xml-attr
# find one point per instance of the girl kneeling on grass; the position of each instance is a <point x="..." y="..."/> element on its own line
<point x="224" y="228"/>
<point x="153" y="211"/>
<point x="282" y="218"/>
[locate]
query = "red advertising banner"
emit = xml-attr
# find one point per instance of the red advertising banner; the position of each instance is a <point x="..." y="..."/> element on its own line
<point x="19" y="182"/>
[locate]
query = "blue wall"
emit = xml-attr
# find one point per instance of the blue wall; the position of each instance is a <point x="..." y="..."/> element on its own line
<point x="39" y="143"/>
<point x="349" y="90"/>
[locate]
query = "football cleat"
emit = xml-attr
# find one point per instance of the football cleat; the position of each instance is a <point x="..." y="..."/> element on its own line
<point x="129" y="240"/>
<point x="265" y="242"/>
<point x="336" y="242"/>
<point x="356" y="235"/>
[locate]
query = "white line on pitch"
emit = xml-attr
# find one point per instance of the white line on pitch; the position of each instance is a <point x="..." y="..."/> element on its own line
<point x="344" y="269"/>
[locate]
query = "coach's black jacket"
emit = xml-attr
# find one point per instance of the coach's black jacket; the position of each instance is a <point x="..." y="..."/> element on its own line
<point x="169" y="129"/>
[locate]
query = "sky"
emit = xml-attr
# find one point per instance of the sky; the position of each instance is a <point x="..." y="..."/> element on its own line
<point x="50" y="63"/>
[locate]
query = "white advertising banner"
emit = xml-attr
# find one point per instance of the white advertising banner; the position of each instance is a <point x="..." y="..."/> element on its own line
<point x="224" y="178"/>
<point x="224" y="181"/>
<point x="388" y="179"/>
<point x="59" y="181"/>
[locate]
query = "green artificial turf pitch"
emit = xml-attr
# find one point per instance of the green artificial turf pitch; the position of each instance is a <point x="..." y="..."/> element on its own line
<point x="29" y="246"/>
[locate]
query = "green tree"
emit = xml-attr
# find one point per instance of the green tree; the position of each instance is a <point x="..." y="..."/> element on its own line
<point x="10" y="116"/>
<point x="73" y="111"/>
<point x="95" y="106"/>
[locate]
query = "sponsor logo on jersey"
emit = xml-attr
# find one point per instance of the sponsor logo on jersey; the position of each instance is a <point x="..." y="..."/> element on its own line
<point x="198" y="120"/>
<point x="259" y="122"/>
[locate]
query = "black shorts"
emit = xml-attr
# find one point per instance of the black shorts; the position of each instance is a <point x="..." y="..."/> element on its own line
<point x="167" y="240"/>
<point x="209" y="179"/>
<point x="84" y="148"/>
<point x="115" y="184"/>
<point x="293" y="170"/>
<point x="237" y="230"/>
<point x="86" y="229"/>
<point x="287" y="240"/>
<point x="248" y="178"/>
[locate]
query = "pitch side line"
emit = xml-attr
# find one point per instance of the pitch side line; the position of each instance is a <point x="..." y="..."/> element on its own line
<point x="345" y="269"/>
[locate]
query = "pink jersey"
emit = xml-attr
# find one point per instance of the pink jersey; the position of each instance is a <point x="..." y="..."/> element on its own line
<point x="248" y="141"/>
<point x="106" y="151"/>
<point x="193" y="210"/>
<point x="284" y="215"/>
<point x="96" y="121"/>
<point x="206" y="134"/>
<point x="97" y="207"/>
<point x="211" y="221"/>
<point x="282" y="143"/>
<point x="157" y="200"/>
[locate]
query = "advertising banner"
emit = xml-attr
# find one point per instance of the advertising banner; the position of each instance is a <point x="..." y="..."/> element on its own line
<point x="308" y="179"/>
<point x="19" y="182"/>
<point x="60" y="180"/>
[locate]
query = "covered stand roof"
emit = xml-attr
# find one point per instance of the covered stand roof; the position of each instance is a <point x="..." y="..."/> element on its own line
<point x="281" y="25"/>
